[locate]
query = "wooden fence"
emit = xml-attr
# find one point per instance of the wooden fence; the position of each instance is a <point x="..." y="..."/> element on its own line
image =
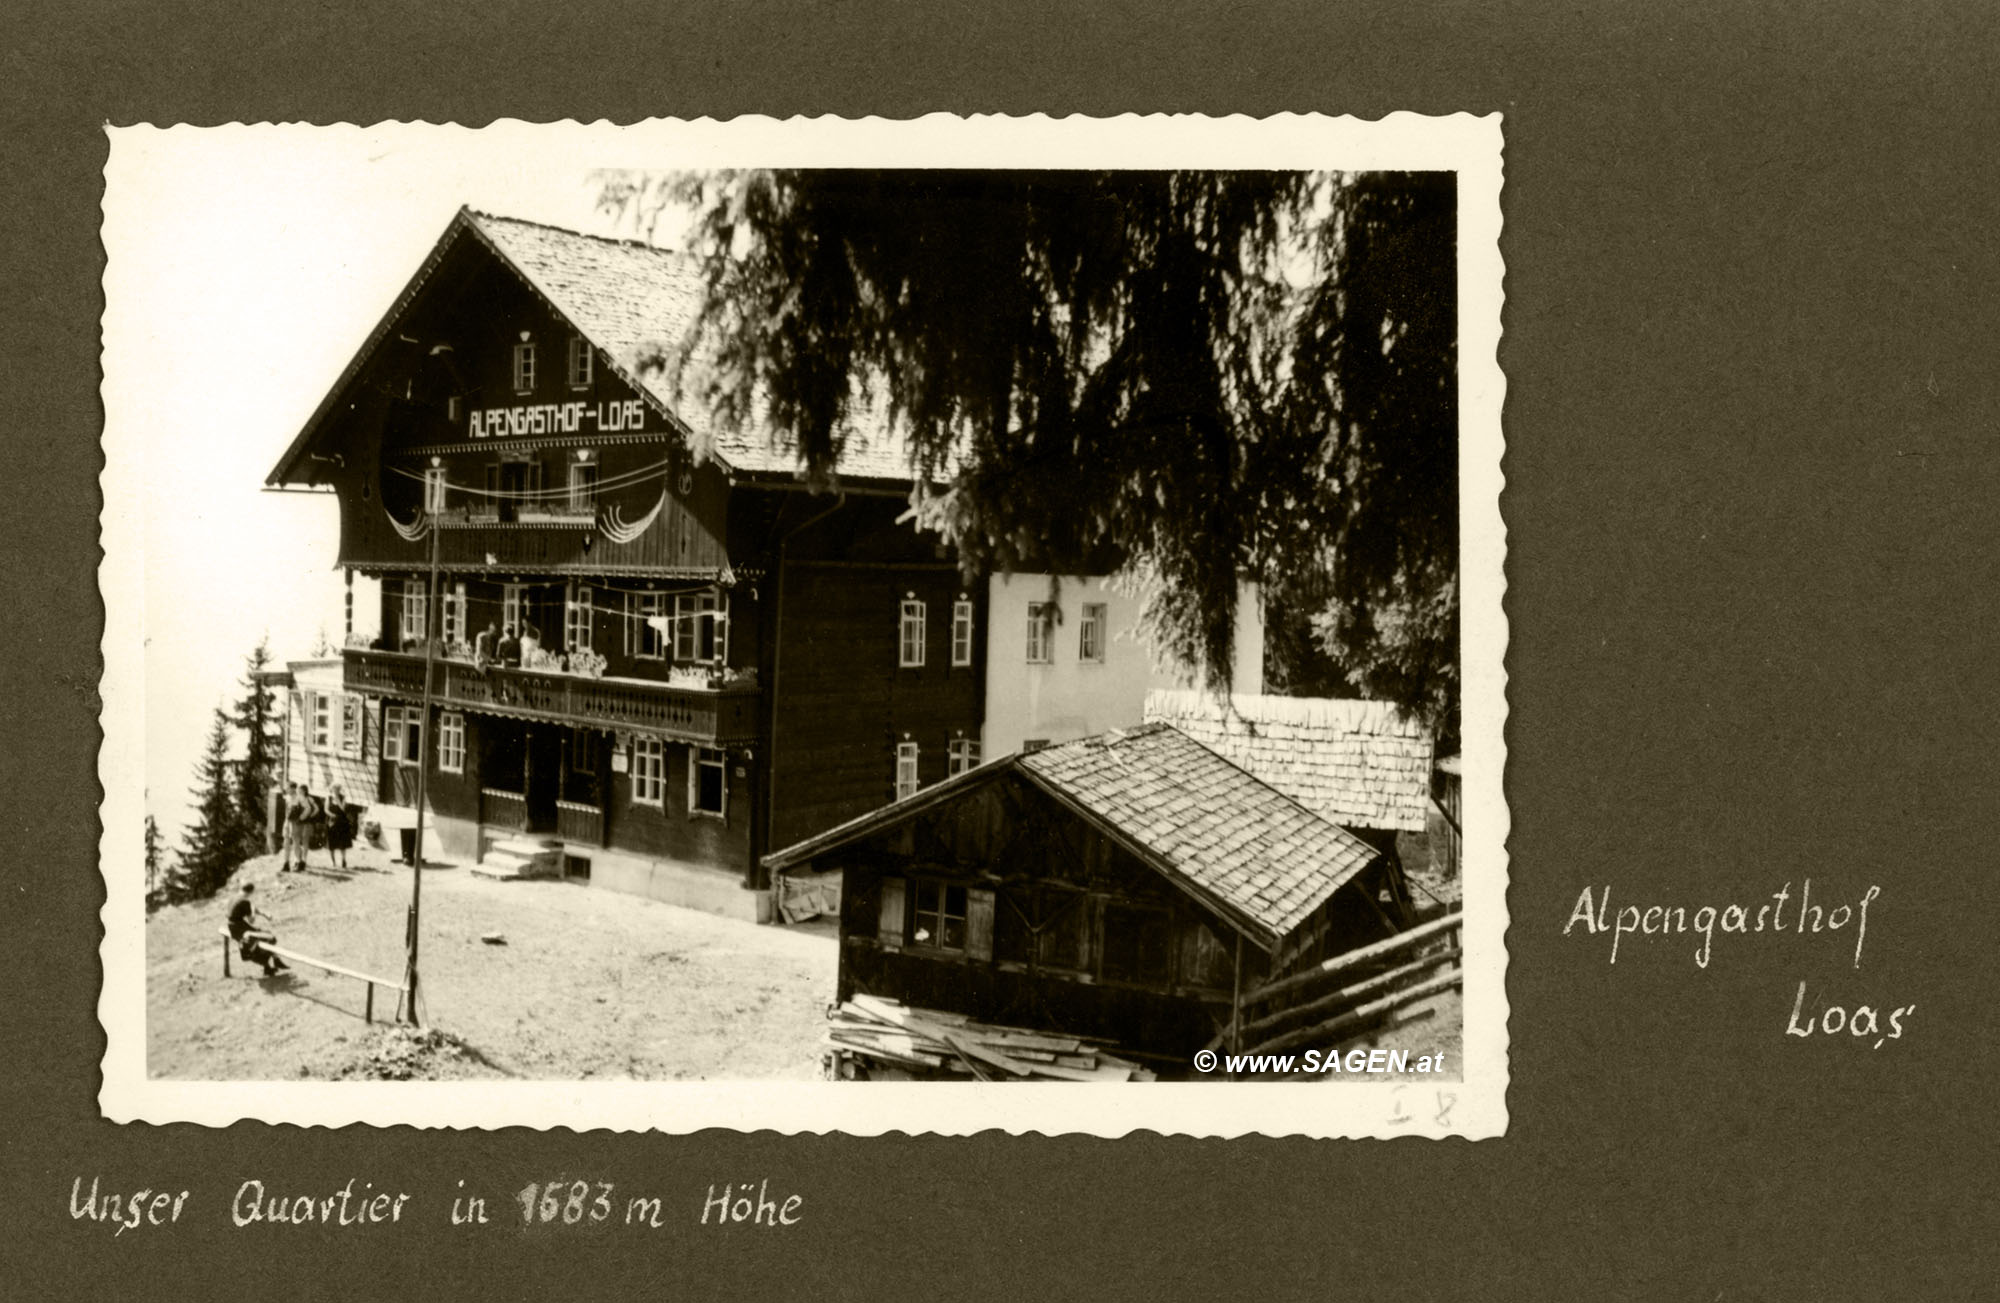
<point x="1338" y="999"/>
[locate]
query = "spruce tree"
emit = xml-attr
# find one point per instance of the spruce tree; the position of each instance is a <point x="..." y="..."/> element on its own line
<point x="255" y="714"/>
<point x="211" y="848"/>
<point x="154" y="866"/>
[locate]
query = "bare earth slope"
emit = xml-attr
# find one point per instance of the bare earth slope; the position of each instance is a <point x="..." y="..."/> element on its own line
<point x="589" y="984"/>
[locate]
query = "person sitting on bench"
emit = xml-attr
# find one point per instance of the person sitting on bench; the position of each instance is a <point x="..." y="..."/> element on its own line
<point x="249" y="937"/>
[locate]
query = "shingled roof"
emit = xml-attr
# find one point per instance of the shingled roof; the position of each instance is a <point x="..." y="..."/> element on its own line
<point x="631" y="300"/>
<point x="1362" y="764"/>
<point x="1258" y="858"/>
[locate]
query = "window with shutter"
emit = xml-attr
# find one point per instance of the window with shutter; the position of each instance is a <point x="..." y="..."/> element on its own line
<point x="979" y="924"/>
<point x="889" y="928"/>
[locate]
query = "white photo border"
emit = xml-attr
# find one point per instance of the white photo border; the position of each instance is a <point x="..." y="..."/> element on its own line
<point x="1472" y="1107"/>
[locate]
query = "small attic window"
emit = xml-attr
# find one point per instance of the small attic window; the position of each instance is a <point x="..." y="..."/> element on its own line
<point x="579" y="362"/>
<point x="524" y="368"/>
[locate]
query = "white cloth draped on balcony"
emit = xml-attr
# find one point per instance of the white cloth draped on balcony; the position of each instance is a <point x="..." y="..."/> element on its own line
<point x="619" y="531"/>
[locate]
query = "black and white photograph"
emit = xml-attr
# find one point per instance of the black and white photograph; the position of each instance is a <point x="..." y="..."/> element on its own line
<point x="811" y="625"/>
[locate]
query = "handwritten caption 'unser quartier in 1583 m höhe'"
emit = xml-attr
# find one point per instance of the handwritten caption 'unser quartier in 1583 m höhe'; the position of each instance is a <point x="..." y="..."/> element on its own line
<point x="1868" y="1023"/>
<point x="120" y="1206"/>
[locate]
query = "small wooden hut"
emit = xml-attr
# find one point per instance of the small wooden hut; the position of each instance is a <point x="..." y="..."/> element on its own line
<point x="1128" y="886"/>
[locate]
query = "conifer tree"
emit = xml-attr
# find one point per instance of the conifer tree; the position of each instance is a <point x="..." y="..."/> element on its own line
<point x="255" y="714"/>
<point x="211" y="848"/>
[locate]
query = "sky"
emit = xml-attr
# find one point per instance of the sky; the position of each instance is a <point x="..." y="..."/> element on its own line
<point x="246" y="265"/>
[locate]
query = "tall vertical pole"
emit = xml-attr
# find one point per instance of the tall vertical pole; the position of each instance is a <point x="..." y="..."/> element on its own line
<point x="424" y="745"/>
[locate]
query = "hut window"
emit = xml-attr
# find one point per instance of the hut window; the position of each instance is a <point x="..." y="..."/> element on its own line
<point x="910" y="646"/>
<point x="961" y="633"/>
<point x="906" y="769"/>
<point x="1041" y="632"/>
<point x="579" y="362"/>
<point x="708" y="787"/>
<point x="1135" y="944"/>
<point x="939" y="919"/>
<point x="1090" y="639"/>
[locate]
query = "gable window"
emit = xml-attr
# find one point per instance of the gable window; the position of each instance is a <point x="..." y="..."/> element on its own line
<point x="451" y="742"/>
<point x="649" y="772"/>
<point x="579" y="362"/>
<point x="351" y="714"/>
<point x="906" y="769"/>
<point x="524" y="368"/>
<point x="416" y="614"/>
<point x="700" y="628"/>
<point x="1041" y="632"/>
<point x="1090" y="637"/>
<point x="320" y="706"/>
<point x="583" y="484"/>
<point x="510" y="609"/>
<point x="961" y="632"/>
<point x="1034" y="744"/>
<point x="576" y="618"/>
<point x="644" y="639"/>
<point x="708" y="782"/>
<point x="434" y="489"/>
<point x="964" y="753"/>
<point x="910" y="650"/>
<point x="454" y="611"/>
<point x="939" y="916"/>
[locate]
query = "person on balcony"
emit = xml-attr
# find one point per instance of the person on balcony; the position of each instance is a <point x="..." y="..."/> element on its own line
<point x="531" y="642"/>
<point x="482" y="647"/>
<point x="509" y="649"/>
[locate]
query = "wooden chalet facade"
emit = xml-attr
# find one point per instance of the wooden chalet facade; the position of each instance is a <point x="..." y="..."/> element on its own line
<point x="726" y="662"/>
<point x="1127" y="886"/>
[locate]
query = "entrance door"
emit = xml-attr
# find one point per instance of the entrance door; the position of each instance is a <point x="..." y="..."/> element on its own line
<point x="544" y="776"/>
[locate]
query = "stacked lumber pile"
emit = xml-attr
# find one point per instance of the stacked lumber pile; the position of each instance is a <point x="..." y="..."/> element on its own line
<point x="876" y="1039"/>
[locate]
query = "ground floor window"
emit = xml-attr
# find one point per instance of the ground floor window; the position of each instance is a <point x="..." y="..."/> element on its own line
<point x="649" y="772"/>
<point x="352" y="712"/>
<point x="708" y="782"/>
<point x="451" y="742"/>
<point x="402" y="734"/>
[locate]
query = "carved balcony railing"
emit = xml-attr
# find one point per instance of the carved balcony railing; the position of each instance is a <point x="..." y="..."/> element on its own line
<point x="714" y="716"/>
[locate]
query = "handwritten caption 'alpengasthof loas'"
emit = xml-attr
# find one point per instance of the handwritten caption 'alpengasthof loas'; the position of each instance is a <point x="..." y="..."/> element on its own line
<point x="1828" y="919"/>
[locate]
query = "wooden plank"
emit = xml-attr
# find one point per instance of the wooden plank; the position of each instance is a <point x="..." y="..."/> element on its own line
<point x="324" y="966"/>
<point x="1354" y="958"/>
<point x="1328" y="1032"/>
<point x="1327" y="1005"/>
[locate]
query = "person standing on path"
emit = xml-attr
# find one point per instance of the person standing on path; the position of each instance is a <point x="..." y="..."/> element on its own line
<point x="298" y="809"/>
<point x="339" y="829"/>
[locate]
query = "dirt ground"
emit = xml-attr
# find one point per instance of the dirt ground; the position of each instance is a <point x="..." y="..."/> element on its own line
<point x="588" y="985"/>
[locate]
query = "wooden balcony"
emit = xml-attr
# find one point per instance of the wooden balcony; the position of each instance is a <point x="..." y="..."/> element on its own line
<point x="715" y="716"/>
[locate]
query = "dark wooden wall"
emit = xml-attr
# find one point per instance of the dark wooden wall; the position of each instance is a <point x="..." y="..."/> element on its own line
<point x="1050" y="873"/>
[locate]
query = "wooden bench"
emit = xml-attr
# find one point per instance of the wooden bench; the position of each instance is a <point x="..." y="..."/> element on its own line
<point x="368" y="979"/>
